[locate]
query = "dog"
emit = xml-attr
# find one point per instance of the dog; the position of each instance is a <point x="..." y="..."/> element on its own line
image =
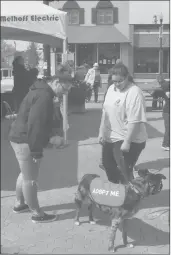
<point x="144" y="185"/>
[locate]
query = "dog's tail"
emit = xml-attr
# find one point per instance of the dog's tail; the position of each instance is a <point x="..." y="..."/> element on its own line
<point x="89" y="177"/>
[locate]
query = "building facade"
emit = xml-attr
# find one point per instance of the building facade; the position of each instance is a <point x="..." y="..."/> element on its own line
<point x="98" y="31"/>
<point x="104" y="31"/>
<point x="144" y="28"/>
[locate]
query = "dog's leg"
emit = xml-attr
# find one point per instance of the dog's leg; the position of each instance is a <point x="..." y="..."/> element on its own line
<point x="78" y="203"/>
<point x="124" y="234"/>
<point x="90" y="211"/>
<point x="114" y="227"/>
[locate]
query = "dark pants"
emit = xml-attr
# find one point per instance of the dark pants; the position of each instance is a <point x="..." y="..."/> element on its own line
<point x="96" y="91"/>
<point x="115" y="161"/>
<point x="89" y="94"/>
<point x="156" y="94"/>
<point x="166" y="139"/>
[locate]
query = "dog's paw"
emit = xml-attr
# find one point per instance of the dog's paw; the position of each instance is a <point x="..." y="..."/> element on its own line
<point x="92" y="222"/>
<point x="130" y="245"/>
<point x="77" y="223"/>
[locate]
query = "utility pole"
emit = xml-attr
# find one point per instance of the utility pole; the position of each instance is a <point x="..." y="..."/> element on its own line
<point x="46" y="51"/>
<point x="160" y="41"/>
<point x="161" y="46"/>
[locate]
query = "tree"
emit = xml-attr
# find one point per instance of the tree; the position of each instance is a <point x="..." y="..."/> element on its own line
<point x="6" y="51"/>
<point x="32" y="56"/>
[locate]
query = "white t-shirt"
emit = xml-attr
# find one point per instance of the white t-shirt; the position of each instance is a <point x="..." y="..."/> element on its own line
<point x="121" y="108"/>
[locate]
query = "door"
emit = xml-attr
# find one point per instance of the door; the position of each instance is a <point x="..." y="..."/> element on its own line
<point x="86" y="54"/>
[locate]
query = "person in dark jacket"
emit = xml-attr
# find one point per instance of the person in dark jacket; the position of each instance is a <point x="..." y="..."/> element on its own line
<point x="29" y="135"/>
<point x="21" y="82"/>
<point x="166" y="116"/>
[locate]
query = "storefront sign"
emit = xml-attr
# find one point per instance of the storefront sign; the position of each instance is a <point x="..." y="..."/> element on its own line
<point x="32" y="18"/>
<point x="150" y="40"/>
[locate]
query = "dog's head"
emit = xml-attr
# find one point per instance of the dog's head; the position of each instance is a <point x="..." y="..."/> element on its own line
<point x="153" y="181"/>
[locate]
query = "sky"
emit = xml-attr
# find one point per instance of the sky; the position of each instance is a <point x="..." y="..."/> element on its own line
<point x="143" y="11"/>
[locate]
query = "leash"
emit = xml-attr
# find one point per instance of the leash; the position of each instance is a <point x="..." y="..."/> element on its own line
<point x="135" y="189"/>
<point x="9" y="113"/>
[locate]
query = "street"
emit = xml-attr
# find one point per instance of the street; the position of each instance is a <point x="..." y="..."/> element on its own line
<point x="59" y="174"/>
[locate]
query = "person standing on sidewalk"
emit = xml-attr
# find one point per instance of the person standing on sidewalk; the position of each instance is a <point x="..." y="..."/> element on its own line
<point x="166" y="117"/>
<point x="161" y="84"/>
<point x="29" y="135"/>
<point x="93" y="80"/>
<point x="122" y="131"/>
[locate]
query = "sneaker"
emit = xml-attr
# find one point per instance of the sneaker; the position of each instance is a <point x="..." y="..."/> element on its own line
<point x="44" y="219"/>
<point x="21" y="208"/>
<point x="165" y="148"/>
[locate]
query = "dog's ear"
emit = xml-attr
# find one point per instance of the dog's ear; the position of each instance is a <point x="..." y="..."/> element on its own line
<point x="161" y="176"/>
<point x="143" y="172"/>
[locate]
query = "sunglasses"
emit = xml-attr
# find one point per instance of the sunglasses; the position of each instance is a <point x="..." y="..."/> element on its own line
<point x="118" y="82"/>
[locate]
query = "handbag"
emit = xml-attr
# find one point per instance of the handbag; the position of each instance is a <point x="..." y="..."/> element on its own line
<point x="7" y="121"/>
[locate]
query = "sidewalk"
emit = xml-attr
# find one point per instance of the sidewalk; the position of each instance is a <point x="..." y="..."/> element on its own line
<point x="58" y="181"/>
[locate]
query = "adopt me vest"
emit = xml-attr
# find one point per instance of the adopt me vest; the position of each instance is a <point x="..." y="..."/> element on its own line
<point x="105" y="193"/>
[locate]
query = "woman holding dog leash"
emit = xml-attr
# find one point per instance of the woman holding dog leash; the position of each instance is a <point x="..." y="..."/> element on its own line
<point x="122" y="131"/>
<point x="29" y="135"/>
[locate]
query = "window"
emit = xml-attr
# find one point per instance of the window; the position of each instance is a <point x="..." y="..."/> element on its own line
<point x="108" y="54"/>
<point x="73" y="17"/>
<point x="71" y="47"/>
<point x="166" y="61"/>
<point x="5" y="73"/>
<point x="105" y="16"/>
<point x="146" y="60"/>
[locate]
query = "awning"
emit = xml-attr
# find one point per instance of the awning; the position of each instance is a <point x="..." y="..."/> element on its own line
<point x="95" y="34"/>
<point x="33" y="21"/>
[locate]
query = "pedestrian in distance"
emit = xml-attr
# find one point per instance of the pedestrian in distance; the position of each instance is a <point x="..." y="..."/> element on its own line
<point x="122" y="130"/>
<point x="160" y="84"/>
<point x="29" y="135"/>
<point x="166" y="117"/>
<point x="93" y="81"/>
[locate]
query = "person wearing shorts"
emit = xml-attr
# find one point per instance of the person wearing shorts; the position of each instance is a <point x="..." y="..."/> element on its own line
<point x="29" y="135"/>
